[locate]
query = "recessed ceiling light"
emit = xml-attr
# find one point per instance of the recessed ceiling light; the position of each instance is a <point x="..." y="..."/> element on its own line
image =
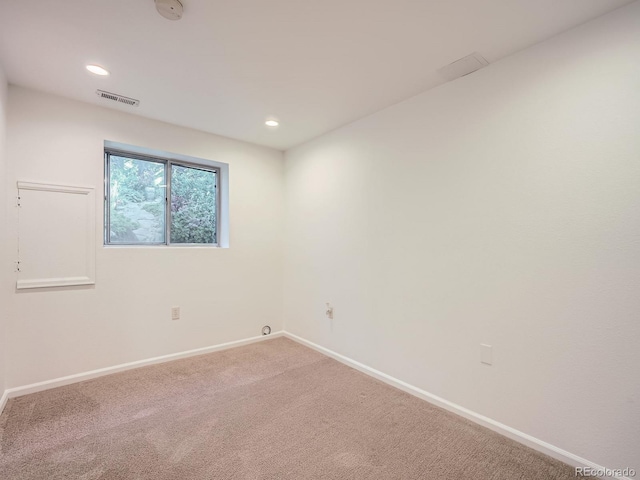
<point x="272" y="123"/>
<point x="97" y="69"/>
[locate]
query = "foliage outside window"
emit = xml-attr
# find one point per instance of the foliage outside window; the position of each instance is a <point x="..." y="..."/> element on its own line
<point x="152" y="201"/>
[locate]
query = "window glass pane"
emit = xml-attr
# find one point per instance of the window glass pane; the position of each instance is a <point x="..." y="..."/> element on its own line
<point x="193" y="205"/>
<point x="137" y="201"/>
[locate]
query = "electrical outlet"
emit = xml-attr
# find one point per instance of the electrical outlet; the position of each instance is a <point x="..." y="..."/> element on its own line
<point x="175" y="313"/>
<point x="329" y="311"/>
<point x="486" y="354"/>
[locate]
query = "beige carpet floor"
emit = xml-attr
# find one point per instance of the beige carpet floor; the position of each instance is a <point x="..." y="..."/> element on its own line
<point x="271" y="410"/>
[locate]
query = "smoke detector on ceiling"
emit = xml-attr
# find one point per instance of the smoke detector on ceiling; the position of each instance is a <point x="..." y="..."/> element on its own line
<point x="171" y="9"/>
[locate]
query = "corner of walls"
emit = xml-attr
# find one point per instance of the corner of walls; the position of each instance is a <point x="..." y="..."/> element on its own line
<point x="4" y="258"/>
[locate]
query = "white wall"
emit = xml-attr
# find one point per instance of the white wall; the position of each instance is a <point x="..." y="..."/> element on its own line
<point x="5" y="266"/>
<point x="501" y="208"/>
<point x="224" y="294"/>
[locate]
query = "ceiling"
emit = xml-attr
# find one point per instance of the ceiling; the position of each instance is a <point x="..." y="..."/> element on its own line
<point x="229" y="64"/>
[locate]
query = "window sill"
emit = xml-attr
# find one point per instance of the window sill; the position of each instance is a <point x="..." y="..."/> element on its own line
<point x="166" y="247"/>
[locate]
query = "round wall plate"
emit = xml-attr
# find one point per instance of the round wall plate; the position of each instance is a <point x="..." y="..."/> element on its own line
<point x="171" y="9"/>
<point x="266" y="330"/>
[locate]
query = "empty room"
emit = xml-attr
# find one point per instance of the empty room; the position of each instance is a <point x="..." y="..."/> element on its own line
<point x="319" y="239"/>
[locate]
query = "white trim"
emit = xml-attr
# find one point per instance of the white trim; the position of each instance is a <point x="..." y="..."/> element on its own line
<point x="54" y="282"/>
<point x="512" y="433"/>
<point x="90" y="239"/>
<point x="81" y="377"/>
<point x="49" y="187"/>
<point x="3" y="401"/>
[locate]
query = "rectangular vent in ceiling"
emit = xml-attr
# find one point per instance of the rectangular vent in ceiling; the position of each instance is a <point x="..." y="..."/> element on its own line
<point x="463" y="66"/>
<point x="118" y="98"/>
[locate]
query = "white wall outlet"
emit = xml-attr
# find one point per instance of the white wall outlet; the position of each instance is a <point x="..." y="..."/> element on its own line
<point x="486" y="354"/>
<point x="175" y="313"/>
<point x="329" y="311"/>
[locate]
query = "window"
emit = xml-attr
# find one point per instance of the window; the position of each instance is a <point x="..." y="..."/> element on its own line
<point x="156" y="201"/>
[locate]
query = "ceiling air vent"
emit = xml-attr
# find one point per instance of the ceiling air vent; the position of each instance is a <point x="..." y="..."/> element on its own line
<point x="118" y="98"/>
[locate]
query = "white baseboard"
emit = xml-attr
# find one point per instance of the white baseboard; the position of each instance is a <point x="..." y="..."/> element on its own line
<point x="512" y="433"/>
<point x="3" y="400"/>
<point x="80" y="377"/>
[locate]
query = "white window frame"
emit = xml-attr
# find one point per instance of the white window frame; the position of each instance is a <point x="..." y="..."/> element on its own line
<point x="168" y="159"/>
